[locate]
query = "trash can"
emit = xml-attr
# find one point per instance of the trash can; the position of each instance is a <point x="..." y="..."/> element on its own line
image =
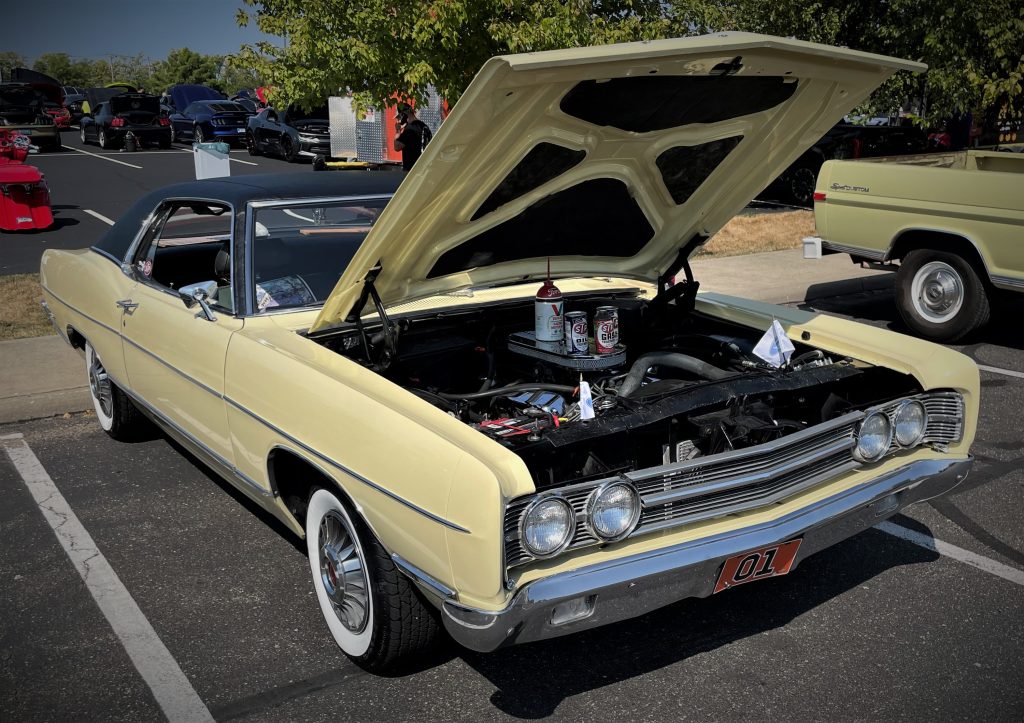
<point x="211" y="160"/>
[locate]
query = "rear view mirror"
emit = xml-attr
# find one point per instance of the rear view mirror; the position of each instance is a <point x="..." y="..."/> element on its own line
<point x="200" y="294"/>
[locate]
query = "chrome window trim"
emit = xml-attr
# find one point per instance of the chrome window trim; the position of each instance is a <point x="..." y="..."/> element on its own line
<point x="154" y="217"/>
<point x="250" y="229"/>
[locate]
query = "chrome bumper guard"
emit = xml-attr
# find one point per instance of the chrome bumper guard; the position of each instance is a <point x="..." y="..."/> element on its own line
<point x="621" y="589"/>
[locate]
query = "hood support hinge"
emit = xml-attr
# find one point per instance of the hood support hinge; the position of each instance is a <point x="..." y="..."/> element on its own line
<point x="686" y="291"/>
<point x="388" y="334"/>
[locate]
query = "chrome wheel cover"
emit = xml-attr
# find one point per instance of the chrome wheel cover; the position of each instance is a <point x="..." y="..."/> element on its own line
<point x="937" y="292"/>
<point x="343" y="572"/>
<point x="99" y="385"/>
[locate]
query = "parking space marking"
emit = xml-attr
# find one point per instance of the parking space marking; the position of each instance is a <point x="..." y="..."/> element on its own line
<point x="100" y="216"/>
<point x="171" y="688"/>
<point x="957" y="553"/>
<point x="105" y="158"/>
<point x="997" y="370"/>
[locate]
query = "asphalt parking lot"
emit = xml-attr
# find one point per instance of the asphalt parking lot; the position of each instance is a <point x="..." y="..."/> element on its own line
<point x="927" y="623"/>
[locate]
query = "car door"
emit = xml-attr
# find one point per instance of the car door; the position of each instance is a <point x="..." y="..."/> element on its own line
<point x="174" y="355"/>
<point x="182" y="122"/>
<point x="269" y="129"/>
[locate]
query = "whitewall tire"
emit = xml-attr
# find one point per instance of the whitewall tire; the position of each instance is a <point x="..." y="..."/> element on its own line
<point x="114" y="410"/>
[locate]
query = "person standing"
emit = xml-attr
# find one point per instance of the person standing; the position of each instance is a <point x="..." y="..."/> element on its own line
<point x="411" y="135"/>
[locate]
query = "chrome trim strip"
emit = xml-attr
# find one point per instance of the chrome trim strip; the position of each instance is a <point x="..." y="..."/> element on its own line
<point x="629" y="586"/>
<point x="1008" y="282"/>
<point x="107" y="254"/>
<point x="853" y="250"/>
<point x="111" y="329"/>
<point x="343" y="468"/>
<point x="423" y="579"/>
<point x="212" y="456"/>
<point x="177" y="371"/>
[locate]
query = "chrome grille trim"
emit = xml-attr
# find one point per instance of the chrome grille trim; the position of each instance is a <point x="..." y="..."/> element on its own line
<point x="724" y="484"/>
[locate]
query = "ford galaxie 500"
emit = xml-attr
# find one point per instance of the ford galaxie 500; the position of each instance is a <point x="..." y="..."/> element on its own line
<point x="355" y="352"/>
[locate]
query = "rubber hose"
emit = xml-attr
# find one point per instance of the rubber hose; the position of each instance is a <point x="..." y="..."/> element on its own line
<point x="668" y="359"/>
<point x="511" y="389"/>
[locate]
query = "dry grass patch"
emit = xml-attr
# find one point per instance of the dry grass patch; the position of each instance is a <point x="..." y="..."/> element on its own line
<point x="20" y="313"/>
<point x="761" y="232"/>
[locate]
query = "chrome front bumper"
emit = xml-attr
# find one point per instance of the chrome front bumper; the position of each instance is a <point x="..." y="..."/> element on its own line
<point x="631" y="586"/>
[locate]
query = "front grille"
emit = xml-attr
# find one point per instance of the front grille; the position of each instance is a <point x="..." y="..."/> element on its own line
<point x="724" y="484"/>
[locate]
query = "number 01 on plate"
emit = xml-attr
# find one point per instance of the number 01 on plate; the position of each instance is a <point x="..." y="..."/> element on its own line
<point x="757" y="565"/>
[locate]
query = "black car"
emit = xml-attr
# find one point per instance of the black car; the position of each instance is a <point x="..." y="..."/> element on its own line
<point x="138" y="113"/>
<point x="845" y="140"/>
<point x="292" y="134"/>
<point x="210" y="120"/>
<point x="73" y="103"/>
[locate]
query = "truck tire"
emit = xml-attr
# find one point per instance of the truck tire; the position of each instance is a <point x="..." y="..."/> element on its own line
<point x="940" y="295"/>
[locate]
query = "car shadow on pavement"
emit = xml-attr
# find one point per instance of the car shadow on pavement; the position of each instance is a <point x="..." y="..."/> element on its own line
<point x="879" y="305"/>
<point x="533" y="680"/>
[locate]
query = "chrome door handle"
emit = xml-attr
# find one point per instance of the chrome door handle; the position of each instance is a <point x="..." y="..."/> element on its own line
<point x="127" y="304"/>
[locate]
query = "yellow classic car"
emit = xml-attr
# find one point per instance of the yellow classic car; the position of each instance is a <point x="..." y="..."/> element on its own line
<point x="358" y="352"/>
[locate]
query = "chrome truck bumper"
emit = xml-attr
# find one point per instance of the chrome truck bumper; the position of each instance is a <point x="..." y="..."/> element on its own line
<point x="621" y="589"/>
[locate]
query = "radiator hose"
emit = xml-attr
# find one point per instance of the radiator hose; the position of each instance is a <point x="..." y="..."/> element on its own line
<point x="668" y="359"/>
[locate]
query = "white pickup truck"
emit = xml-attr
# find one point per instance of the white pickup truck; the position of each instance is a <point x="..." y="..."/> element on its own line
<point x="951" y="225"/>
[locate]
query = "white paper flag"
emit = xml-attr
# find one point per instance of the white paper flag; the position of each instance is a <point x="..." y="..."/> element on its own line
<point x="586" y="402"/>
<point x="775" y="347"/>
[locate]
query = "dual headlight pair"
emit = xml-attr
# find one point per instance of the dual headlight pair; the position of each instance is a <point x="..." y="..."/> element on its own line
<point x="549" y="523"/>
<point x="877" y="432"/>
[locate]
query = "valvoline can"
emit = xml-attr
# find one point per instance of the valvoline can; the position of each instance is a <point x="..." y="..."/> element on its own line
<point x="548" y="313"/>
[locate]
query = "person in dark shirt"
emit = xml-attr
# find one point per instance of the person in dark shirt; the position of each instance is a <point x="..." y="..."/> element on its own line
<point x="411" y="135"/>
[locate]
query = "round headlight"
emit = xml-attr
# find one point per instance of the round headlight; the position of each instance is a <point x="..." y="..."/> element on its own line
<point x="547" y="526"/>
<point x="873" y="437"/>
<point x="613" y="511"/>
<point x="911" y="420"/>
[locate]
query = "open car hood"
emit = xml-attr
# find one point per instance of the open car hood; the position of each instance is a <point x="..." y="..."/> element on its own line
<point x="611" y="160"/>
<point x="184" y="95"/>
<point x="41" y="82"/>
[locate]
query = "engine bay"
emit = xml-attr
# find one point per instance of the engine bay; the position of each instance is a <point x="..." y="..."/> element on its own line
<point x="680" y="384"/>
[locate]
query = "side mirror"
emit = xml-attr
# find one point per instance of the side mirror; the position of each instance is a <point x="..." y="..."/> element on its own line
<point x="200" y="294"/>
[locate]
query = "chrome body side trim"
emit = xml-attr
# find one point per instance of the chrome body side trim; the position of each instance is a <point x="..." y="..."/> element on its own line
<point x="53" y="321"/>
<point x="853" y="250"/>
<point x="631" y="586"/>
<point x="425" y="581"/>
<point x="343" y="468"/>
<point x="1008" y="282"/>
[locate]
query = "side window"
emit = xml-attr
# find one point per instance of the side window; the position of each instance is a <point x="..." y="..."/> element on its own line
<point x="191" y="110"/>
<point x="188" y="242"/>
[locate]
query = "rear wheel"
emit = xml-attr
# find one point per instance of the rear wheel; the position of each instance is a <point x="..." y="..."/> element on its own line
<point x="116" y="414"/>
<point x="371" y="609"/>
<point x="800" y="185"/>
<point x="197" y="134"/>
<point x="940" y="295"/>
<point x="102" y="139"/>
<point x="288" y="150"/>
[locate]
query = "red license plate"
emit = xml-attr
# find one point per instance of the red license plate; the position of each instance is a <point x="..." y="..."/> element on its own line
<point x="757" y="565"/>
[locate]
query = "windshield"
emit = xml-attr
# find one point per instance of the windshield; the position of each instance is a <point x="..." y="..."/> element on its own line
<point x="300" y="250"/>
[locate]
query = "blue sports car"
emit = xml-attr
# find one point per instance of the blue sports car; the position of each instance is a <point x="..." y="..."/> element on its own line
<point x="202" y="114"/>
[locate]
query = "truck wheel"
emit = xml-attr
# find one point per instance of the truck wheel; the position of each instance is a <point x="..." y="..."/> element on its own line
<point x="375" y="615"/>
<point x="800" y="185"/>
<point x="940" y="296"/>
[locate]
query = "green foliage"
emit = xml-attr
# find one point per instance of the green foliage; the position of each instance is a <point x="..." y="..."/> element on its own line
<point x="9" y="59"/>
<point x="186" y="66"/>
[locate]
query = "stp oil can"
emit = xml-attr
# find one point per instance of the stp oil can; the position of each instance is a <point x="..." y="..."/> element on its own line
<point x="606" y="329"/>
<point x="548" y="313"/>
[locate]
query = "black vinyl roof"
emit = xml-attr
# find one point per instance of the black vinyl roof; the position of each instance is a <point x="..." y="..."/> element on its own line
<point x="240" y="190"/>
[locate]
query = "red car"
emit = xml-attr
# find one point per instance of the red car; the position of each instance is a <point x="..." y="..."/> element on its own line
<point x="24" y="196"/>
<point x="61" y="115"/>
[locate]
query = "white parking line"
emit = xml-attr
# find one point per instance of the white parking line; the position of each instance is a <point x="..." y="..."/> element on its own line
<point x="997" y="370"/>
<point x="957" y="553"/>
<point x="100" y="216"/>
<point x="173" y="691"/>
<point x="105" y="158"/>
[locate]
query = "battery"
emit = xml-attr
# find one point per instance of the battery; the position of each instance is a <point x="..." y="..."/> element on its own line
<point x="606" y="329"/>
<point x="577" y="334"/>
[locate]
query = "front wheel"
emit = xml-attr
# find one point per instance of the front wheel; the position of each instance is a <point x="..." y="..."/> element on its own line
<point x="288" y="150"/>
<point x="371" y="609"/>
<point x="103" y="140"/>
<point x="116" y="414"/>
<point x="250" y="144"/>
<point x="940" y="296"/>
<point x="81" y="134"/>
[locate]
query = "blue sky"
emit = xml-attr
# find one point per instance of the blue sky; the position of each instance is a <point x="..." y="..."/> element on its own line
<point x="87" y="29"/>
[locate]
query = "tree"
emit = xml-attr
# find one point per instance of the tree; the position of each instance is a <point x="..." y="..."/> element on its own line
<point x="185" y="66"/>
<point x="9" y="59"/>
<point x="379" y="48"/>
